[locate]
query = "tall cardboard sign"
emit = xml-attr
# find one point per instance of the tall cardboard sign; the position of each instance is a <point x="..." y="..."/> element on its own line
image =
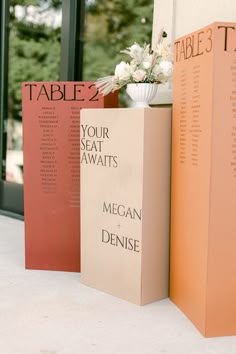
<point x="203" y="223"/>
<point x="125" y="195"/>
<point x="51" y="128"/>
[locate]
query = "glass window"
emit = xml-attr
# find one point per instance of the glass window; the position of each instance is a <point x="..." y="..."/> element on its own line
<point x="34" y="55"/>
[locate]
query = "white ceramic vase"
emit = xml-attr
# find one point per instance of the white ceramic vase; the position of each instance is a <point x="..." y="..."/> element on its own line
<point x="142" y="93"/>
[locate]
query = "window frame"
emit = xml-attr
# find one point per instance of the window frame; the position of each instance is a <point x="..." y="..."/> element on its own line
<point x="12" y="194"/>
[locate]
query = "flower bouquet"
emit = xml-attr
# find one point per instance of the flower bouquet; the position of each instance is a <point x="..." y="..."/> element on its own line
<point x="145" y="66"/>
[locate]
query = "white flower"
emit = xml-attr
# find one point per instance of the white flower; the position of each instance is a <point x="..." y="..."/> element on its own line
<point x="139" y="75"/>
<point x="163" y="51"/>
<point x="123" y="71"/>
<point x="136" y="52"/>
<point x="147" y="62"/>
<point x="166" y="67"/>
<point x="156" y="71"/>
<point x="133" y="64"/>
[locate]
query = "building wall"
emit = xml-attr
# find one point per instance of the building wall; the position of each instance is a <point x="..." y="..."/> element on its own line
<point x="180" y="17"/>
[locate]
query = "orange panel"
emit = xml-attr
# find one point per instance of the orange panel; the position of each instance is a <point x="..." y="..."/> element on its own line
<point x="51" y="128"/>
<point x="203" y="227"/>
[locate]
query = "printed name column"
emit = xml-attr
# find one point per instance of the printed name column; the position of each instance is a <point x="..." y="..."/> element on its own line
<point x="74" y="157"/>
<point x="195" y="129"/>
<point x="48" y="124"/>
<point x="183" y="116"/>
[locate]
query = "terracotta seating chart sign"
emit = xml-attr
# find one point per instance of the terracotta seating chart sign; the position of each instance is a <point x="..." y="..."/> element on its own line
<point x="125" y="212"/>
<point x="203" y="222"/>
<point x="51" y="133"/>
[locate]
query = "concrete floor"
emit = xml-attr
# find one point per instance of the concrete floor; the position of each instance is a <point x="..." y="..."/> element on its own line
<point x="45" y="312"/>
